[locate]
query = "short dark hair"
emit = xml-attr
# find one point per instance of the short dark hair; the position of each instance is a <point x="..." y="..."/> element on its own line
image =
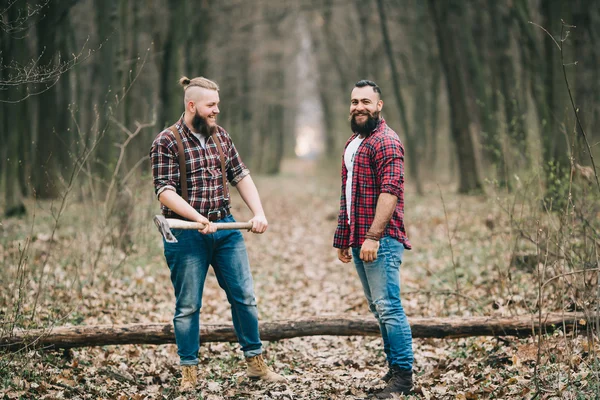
<point x="365" y="82"/>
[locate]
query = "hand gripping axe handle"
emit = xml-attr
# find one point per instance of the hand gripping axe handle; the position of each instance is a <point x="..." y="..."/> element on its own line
<point x="165" y="225"/>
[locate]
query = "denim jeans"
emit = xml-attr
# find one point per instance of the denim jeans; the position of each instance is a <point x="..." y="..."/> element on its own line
<point x="188" y="260"/>
<point x="381" y="283"/>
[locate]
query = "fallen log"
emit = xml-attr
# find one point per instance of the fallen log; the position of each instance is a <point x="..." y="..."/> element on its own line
<point x="162" y="333"/>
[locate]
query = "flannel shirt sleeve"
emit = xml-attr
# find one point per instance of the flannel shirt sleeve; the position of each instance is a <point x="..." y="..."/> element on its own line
<point x="389" y="161"/>
<point x="341" y="238"/>
<point x="236" y="169"/>
<point x="165" y="165"/>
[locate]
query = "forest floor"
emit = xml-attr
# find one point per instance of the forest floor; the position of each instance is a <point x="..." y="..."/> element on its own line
<point x="459" y="266"/>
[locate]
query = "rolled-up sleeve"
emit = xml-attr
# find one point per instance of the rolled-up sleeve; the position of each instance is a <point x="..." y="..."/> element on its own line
<point x="236" y="169"/>
<point x="389" y="161"/>
<point x="165" y="167"/>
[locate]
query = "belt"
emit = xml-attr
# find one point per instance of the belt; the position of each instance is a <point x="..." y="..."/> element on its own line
<point x="218" y="214"/>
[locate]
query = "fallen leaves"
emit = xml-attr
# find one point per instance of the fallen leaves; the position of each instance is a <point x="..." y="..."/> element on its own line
<point x="296" y="274"/>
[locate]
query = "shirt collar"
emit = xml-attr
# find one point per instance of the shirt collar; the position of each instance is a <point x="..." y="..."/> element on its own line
<point x="181" y="125"/>
<point x="379" y="126"/>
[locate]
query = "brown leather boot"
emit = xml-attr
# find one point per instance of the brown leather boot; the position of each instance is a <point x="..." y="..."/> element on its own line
<point x="189" y="378"/>
<point x="258" y="369"/>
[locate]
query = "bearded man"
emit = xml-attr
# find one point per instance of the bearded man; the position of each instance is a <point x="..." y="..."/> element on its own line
<point x="371" y="228"/>
<point x="208" y="151"/>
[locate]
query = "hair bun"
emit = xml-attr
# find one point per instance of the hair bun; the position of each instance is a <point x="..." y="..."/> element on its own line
<point x="184" y="81"/>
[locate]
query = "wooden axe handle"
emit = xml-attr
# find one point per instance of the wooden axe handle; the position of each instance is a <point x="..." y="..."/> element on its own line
<point x="181" y="224"/>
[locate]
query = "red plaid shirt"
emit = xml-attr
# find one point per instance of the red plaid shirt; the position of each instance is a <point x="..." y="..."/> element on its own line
<point x="378" y="168"/>
<point x="203" y="167"/>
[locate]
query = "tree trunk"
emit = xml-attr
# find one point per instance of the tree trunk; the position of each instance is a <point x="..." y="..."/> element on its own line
<point x="363" y="9"/>
<point x="46" y="149"/>
<point x="424" y="109"/>
<point x="15" y="131"/>
<point x="325" y="76"/>
<point x="460" y="119"/>
<point x="493" y="137"/>
<point x="240" y="69"/>
<point x="498" y="152"/>
<point x="594" y="107"/>
<point x="513" y="106"/>
<point x="161" y="333"/>
<point x="331" y="69"/>
<point x="476" y="84"/>
<point x="170" y="104"/>
<point x="64" y="98"/>
<point x="554" y="137"/>
<point x="432" y="140"/>
<point x="532" y="58"/>
<point x="104" y="84"/>
<point x="268" y="135"/>
<point x="585" y="85"/>
<point x="413" y="158"/>
<point x="334" y="50"/>
<point x="197" y="36"/>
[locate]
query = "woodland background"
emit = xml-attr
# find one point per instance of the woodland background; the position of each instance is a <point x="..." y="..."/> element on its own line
<point x="497" y="103"/>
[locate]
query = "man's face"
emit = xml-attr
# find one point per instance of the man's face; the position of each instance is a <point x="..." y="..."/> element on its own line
<point x="206" y="109"/>
<point x="365" y="107"/>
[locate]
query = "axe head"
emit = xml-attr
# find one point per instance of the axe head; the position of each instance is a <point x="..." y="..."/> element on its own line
<point x="164" y="229"/>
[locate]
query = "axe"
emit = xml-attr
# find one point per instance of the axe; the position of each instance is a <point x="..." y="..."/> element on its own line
<point x="165" y="225"/>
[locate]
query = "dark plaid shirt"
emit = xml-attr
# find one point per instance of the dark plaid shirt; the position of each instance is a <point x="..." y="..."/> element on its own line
<point x="378" y="168"/>
<point x="204" y="176"/>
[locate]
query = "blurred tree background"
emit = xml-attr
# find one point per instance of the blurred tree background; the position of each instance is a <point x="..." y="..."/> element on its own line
<point x="474" y="89"/>
<point x="477" y="91"/>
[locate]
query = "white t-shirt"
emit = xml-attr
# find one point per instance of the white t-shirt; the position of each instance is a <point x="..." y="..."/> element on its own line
<point x="202" y="139"/>
<point x="349" y="161"/>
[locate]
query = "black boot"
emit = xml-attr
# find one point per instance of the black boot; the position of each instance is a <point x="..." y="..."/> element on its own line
<point x="400" y="382"/>
<point x="388" y="375"/>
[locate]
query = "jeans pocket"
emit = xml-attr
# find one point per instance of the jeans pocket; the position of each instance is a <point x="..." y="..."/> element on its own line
<point x="393" y="248"/>
<point x="178" y="233"/>
<point x="180" y="236"/>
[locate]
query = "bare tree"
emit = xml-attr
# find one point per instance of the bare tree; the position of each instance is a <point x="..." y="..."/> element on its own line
<point x="444" y="17"/>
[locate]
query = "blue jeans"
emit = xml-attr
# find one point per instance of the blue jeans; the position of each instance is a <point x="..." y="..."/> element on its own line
<point x="188" y="260"/>
<point x="381" y="283"/>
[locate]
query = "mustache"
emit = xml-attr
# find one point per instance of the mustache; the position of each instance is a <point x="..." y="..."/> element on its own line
<point x="357" y="113"/>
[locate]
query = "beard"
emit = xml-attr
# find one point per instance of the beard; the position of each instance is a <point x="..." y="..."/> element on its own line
<point x="367" y="127"/>
<point x="201" y="125"/>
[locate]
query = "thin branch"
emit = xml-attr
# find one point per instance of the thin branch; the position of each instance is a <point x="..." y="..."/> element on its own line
<point x="32" y="74"/>
<point x="548" y="33"/>
<point x="562" y="59"/>
<point x="451" y="247"/>
<point x="564" y="70"/>
<point x="132" y="169"/>
<point x="123" y="147"/>
<point x="19" y="24"/>
<point x="580" y="271"/>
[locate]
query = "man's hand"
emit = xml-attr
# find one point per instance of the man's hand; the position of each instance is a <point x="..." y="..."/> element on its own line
<point x="344" y="255"/>
<point x="209" y="227"/>
<point x="368" y="251"/>
<point x="259" y="224"/>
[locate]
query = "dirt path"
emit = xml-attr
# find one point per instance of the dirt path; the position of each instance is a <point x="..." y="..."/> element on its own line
<point x="296" y="274"/>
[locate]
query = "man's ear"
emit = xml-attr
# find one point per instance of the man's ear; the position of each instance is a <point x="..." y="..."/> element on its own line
<point x="380" y="104"/>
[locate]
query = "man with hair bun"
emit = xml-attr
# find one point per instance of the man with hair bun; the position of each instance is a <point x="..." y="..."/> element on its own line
<point x="204" y="145"/>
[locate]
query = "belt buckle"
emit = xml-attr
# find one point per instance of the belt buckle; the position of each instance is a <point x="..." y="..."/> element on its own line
<point x="217" y="213"/>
